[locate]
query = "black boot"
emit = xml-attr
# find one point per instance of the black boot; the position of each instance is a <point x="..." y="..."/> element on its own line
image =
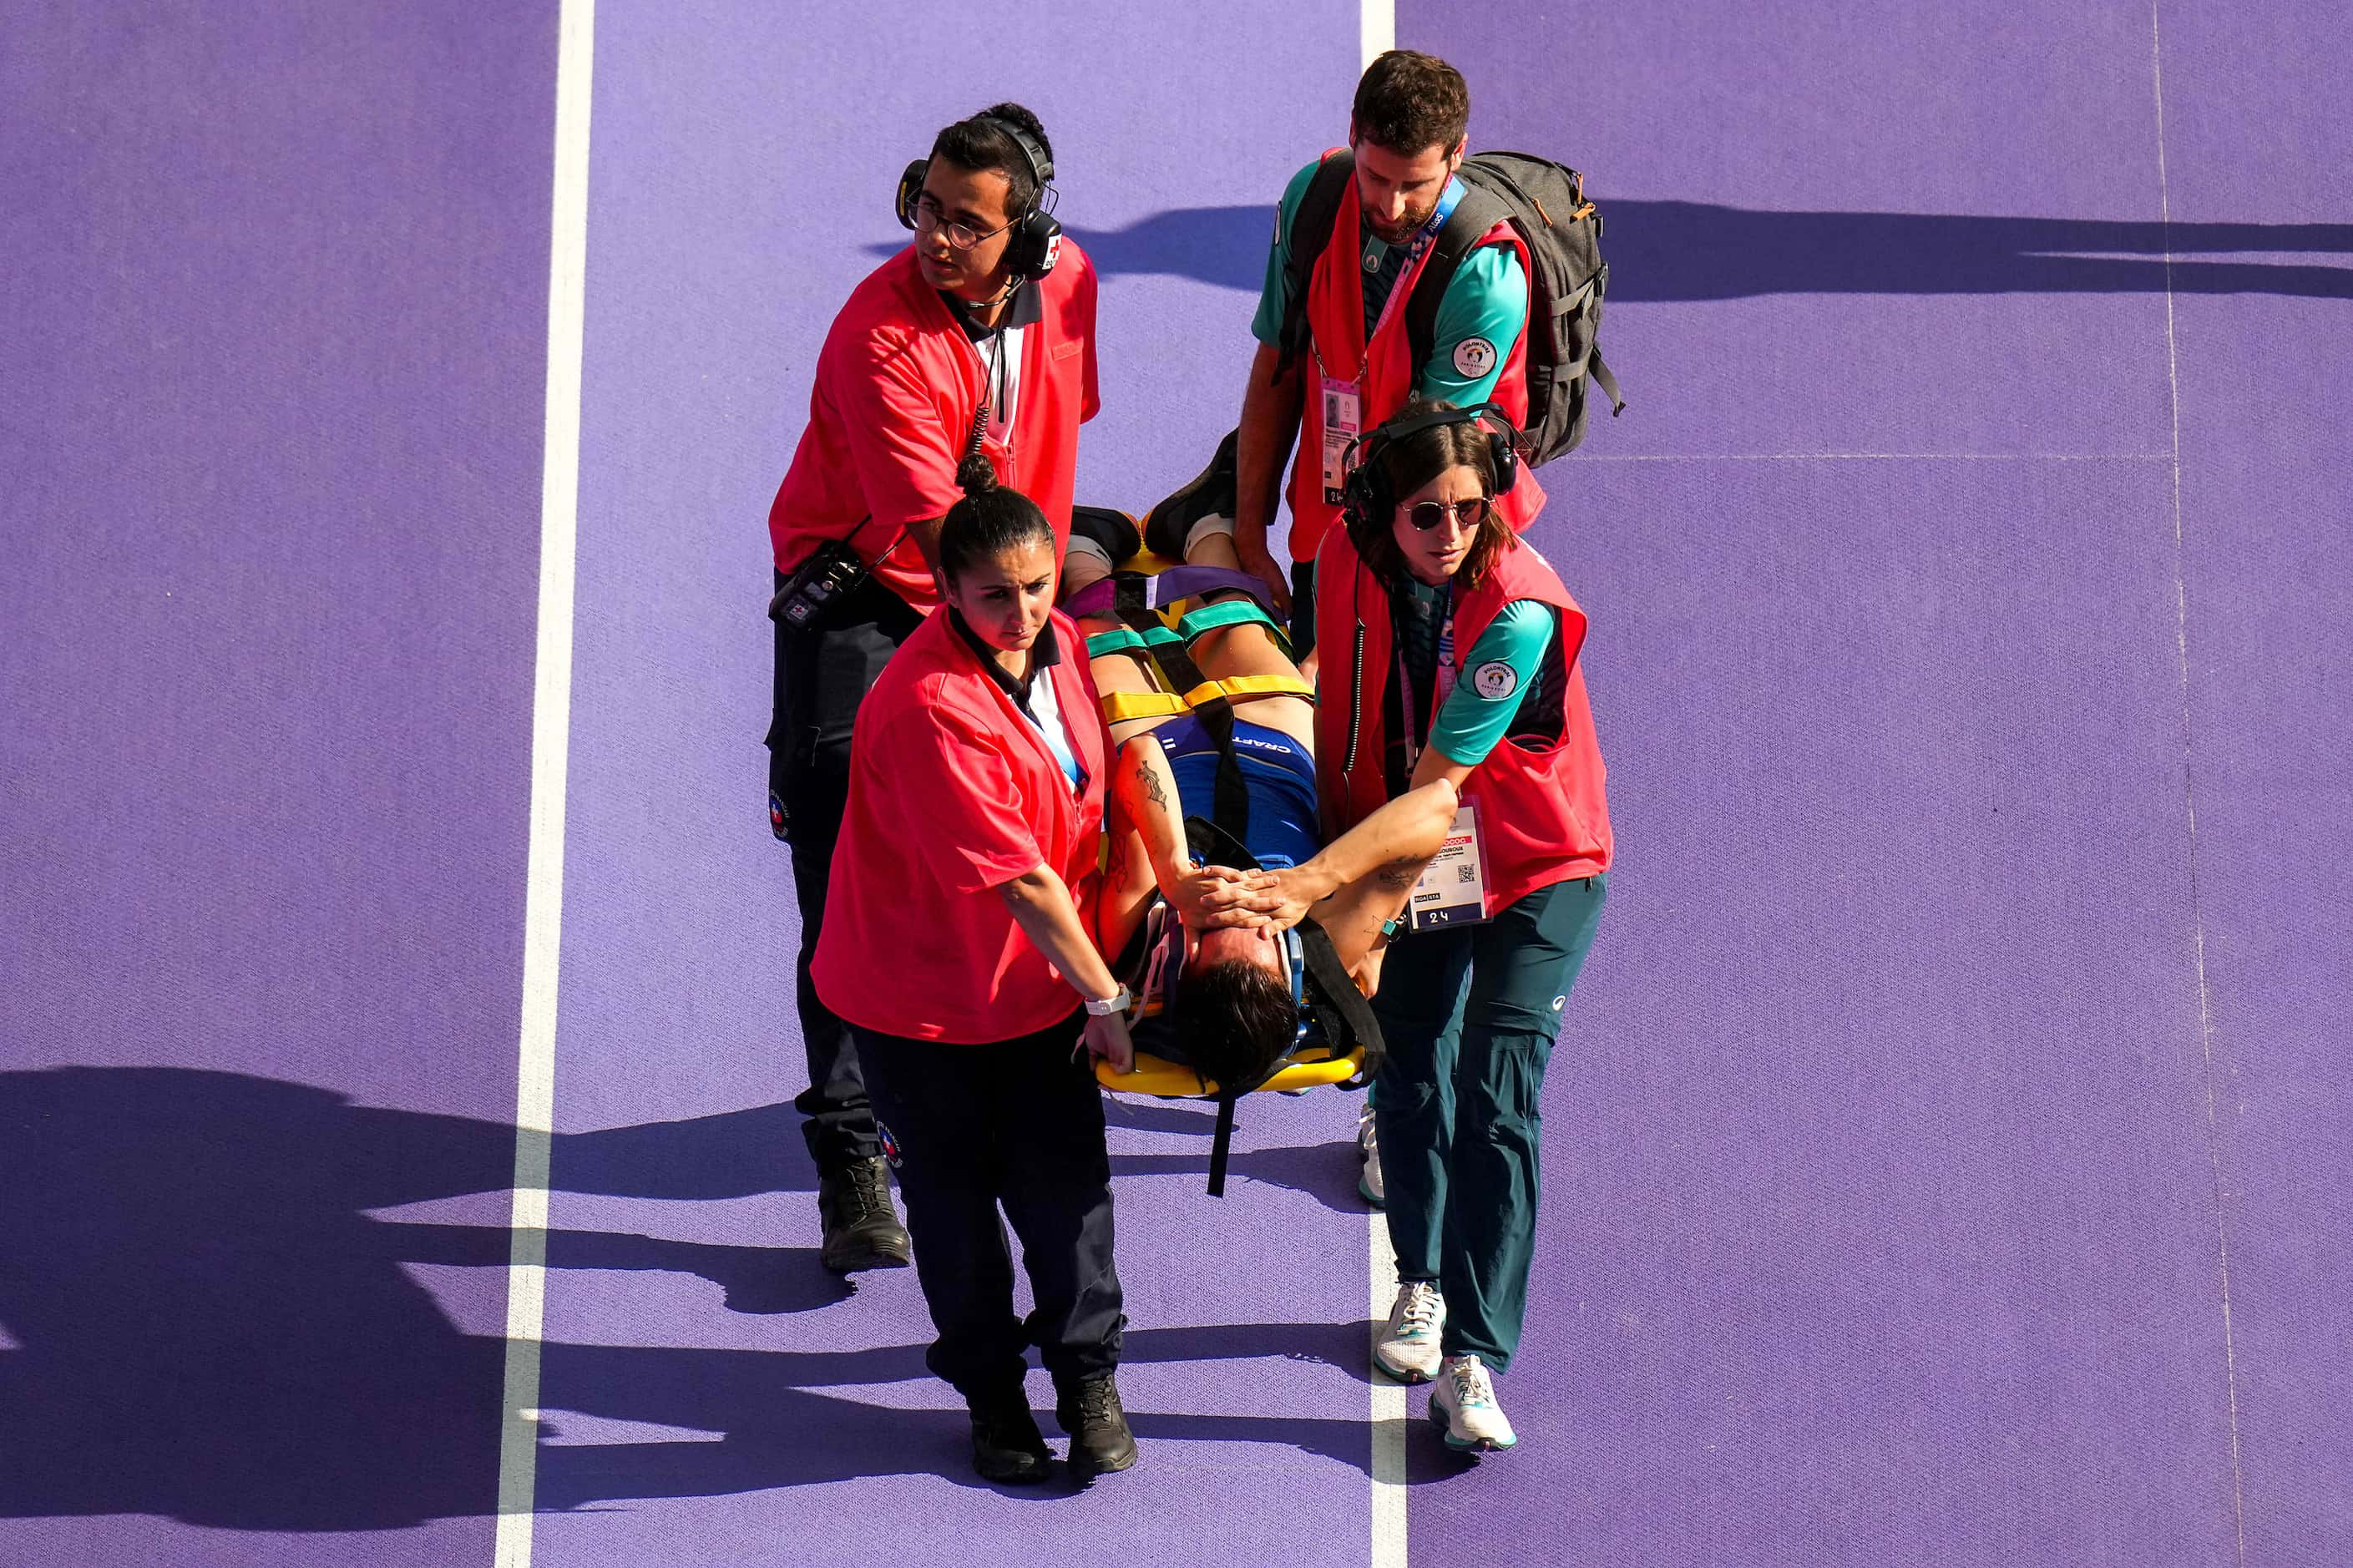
<point x="1210" y="493"/>
<point x="1006" y="1446"/>
<point x="1089" y="1410"/>
<point x="862" y="1229"/>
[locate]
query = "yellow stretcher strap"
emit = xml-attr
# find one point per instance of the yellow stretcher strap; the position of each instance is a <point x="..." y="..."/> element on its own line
<point x="1241" y="687"/>
<point x="1310" y="1067"/>
<point x="1122" y="705"/>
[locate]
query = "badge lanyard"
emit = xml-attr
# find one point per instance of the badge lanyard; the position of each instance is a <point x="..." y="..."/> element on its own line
<point x="1441" y="685"/>
<point x="1343" y="401"/>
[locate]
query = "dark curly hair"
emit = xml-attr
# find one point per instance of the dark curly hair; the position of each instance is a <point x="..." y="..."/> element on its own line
<point x="976" y="145"/>
<point x="1408" y="101"/>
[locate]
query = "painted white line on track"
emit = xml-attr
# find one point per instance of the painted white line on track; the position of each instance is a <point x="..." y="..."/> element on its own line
<point x="2190" y="798"/>
<point x="1388" y="1416"/>
<point x="550" y="730"/>
<point x="1375" y="29"/>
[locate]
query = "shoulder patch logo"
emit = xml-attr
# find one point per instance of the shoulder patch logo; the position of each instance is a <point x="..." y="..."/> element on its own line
<point x="1495" y="680"/>
<point x="1474" y="357"/>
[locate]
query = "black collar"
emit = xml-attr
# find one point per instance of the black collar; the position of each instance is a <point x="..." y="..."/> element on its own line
<point x="1044" y="654"/>
<point x="1026" y="309"/>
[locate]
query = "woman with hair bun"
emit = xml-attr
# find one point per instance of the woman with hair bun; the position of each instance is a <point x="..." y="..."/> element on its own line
<point x="958" y="947"/>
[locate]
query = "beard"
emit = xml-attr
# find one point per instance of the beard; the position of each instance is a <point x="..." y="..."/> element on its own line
<point x="1405" y="226"/>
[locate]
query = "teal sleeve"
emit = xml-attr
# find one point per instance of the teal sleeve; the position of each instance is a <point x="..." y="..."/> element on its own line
<point x="1478" y="321"/>
<point x="1495" y="677"/>
<point x="1273" y="298"/>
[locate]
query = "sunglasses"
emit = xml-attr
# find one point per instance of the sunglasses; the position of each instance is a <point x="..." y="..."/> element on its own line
<point x="1467" y="514"/>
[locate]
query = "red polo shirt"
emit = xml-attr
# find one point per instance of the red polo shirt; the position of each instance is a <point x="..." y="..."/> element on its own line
<point x="897" y="384"/>
<point x="952" y="793"/>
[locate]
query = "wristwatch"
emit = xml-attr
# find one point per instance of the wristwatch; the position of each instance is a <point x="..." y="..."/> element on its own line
<point x="1118" y="1001"/>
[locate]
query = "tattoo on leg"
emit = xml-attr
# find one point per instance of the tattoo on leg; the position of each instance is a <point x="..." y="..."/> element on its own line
<point x="1399" y="875"/>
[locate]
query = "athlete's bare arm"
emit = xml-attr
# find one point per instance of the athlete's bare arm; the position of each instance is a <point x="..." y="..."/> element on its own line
<point x="1359" y="882"/>
<point x="1144" y="793"/>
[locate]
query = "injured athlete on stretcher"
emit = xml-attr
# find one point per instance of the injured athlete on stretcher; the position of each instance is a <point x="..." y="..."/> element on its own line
<point x="1219" y="880"/>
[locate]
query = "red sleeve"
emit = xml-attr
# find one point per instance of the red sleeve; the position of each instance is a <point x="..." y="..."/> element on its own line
<point x="1090" y="400"/>
<point x="957" y="797"/>
<point x="904" y="453"/>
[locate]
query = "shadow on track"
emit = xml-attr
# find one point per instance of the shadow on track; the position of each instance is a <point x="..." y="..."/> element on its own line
<point x="1694" y="250"/>
<point x="201" y="1320"/>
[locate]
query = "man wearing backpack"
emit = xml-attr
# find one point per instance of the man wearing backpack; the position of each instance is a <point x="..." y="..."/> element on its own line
<point x="1394" y="274"/>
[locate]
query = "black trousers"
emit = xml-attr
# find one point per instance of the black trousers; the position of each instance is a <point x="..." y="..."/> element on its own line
<point x="1303" y="607"/>
<point x="821" y="678"/>
<point x="1018" y="1125"/>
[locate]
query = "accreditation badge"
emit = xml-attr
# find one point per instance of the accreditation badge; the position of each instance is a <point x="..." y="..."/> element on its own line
<point x="1454" y="886"/>
<point x="1343" y="420"/>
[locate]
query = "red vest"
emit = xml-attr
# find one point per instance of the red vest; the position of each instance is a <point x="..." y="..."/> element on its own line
<point x="1543" y="814"/>
<point x="1383" y="370"/>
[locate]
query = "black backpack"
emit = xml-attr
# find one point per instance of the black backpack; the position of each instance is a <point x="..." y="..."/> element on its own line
<point x="1545" y="202"/>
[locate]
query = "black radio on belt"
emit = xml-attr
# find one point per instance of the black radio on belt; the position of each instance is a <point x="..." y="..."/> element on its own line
<point x="833" y="571"/>
<point x="817" y="585"/>
<point x="834" y="568"/>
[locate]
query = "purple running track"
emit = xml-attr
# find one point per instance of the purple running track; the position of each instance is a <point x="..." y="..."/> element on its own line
<point x="1926" y="1063"/>
<point x="270" y="411"/>
<point x="1894" y="1175"/>
<point x="698" y="1411"/>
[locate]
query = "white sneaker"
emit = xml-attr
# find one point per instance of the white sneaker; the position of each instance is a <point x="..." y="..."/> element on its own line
<point x="1408" y="1349"/>
<point x="1368" y="1180"/>
<point x="1463" y="1404"/>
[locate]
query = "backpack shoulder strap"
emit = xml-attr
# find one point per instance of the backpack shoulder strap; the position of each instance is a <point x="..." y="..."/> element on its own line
<point x="1310" y="231"/>
<point x="1478" y="211"/>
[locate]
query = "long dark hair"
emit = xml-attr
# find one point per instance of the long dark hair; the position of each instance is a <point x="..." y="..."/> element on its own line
<point x="1404" y="466"/>
<point x="989" y="521"/>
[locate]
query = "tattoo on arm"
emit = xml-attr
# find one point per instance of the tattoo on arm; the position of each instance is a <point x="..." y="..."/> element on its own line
<point x="1148" y="777"/>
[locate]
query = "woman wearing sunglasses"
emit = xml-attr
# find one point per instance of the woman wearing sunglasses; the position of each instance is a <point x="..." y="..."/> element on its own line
<point x="1450" y="651"/>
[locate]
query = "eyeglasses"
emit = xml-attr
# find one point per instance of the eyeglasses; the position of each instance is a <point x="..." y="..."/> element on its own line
<point x="1467" y="514"/>
<point x="961" y="235"/>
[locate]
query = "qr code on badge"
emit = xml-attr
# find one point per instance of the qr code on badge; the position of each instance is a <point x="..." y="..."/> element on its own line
<point x="1466" y="874"/>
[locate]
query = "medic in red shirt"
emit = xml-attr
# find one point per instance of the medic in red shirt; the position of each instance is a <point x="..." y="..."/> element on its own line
<point x="979" y="336"/>
<point x="959" y="950"/>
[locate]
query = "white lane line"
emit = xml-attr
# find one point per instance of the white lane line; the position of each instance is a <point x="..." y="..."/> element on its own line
<point x="1375" y="29"/>
<point x="551" y="728"/>
<point x="1388" y="1416"/>
<point x="2190" y="801"/>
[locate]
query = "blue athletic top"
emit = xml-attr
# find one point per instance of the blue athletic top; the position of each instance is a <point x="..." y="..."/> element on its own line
<point x="1278" y="773"/>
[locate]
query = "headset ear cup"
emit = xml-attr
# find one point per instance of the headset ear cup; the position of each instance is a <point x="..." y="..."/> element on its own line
<point x="1037" y="244"/>
<point x="1506" y="460"/>
<point x="910" y="186"/>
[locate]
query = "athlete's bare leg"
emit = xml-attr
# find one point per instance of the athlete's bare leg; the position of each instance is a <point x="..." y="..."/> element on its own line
<point x="1248" y="650"/>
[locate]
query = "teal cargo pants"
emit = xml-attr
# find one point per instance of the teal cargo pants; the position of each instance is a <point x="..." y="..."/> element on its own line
<point x="1469" y="1015"/>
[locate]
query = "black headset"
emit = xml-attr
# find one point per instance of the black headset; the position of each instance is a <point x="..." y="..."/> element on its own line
<point x="1366" y="500"/>
<point x="1037" y="238"/>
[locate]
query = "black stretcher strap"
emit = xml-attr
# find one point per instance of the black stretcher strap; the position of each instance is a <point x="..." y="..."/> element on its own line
<point x="1216" y="715"/>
